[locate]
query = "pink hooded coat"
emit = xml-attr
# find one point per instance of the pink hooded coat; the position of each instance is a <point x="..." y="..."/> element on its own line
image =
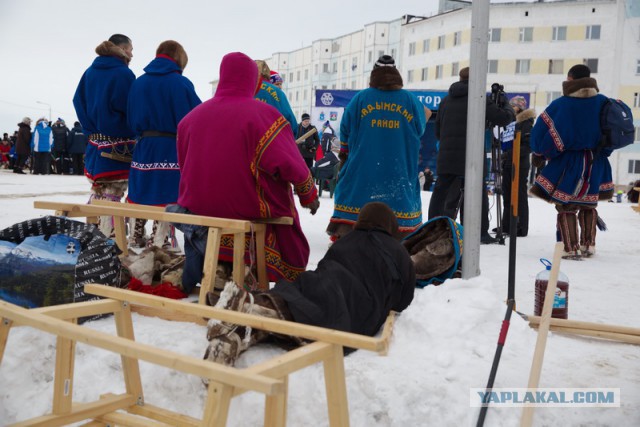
<point x="238" y="159"/>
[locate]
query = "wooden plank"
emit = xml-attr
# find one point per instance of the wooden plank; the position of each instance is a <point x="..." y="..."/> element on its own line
<point x="5" y="327"/>
<point x="169" y="315"/>
<point x="216" y="407"/>
<point x="260" y="232"/>
<point x="210" y="264"/>
<point x="576" y="324"/>
<point x="541" y="343"/>
<point x="126" y="210"/>
<point x="387" y="329"/>
<point x="336" y="386"/>
<point x="238" y="259"/>
<point x="120" y="419"/>
<point x="120" y="231"/>
<point x="80" y="412"/>
<point x="80" y="309"/>
<point x="284" y="220"/>
<point x="333" y="336"/>
<point x="130" y="367"/>
<point x="624" y="338"/>
<point x="165" y="416"/>
<point x="123" y="346"/>
<point x="275" y="408"/>
<point x="63" y="377"/>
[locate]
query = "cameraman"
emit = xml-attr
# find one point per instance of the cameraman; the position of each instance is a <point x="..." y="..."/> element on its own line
<point x="451" y="131"/>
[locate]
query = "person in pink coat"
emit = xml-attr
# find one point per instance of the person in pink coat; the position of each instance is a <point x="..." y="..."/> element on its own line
<point x="238" y="159"/>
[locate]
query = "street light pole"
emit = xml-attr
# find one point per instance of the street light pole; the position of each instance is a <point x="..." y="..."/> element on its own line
<point x="48" y="105"/>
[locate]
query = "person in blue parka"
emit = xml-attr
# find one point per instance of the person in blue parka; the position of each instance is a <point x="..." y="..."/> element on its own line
<point x="158" y="100"/>
<point x="273" y="95"/>
<point x="101" y="106"/>
<point x="380" y="144"/>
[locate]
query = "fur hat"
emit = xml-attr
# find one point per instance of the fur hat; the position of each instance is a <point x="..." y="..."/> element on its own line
<point x="377" y="216"/>
<point x="26" y="120"/>
<point x="263" y="69"/>
<point x="518" y="101"/>
<point x="175" y="51"/>
<point x="464" y="74"/>
<point x="385" y="75"/>
<point x="305" y="116"/>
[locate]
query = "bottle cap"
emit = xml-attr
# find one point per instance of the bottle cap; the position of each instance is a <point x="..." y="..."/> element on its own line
<point x="546" y="263"/>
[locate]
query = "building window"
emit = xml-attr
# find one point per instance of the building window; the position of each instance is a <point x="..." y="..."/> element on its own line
<point x="306" y="74"/>
<point x="283" y="77"/>
<point x="297" y="95"/>
<point x="634" y="166"/>
<point x="343" y="86"/>
<point x="592" y="63"/>
<point x="425" y="45"/>
<point x="552" y="96"/>
<point x="457" y="38"/>
<point x="297" y="76"/>
<point x="315" y="69"/>
<point x="559" y="33"/>
<point x="370" y="56"/>
<point x="290" y="77"/>
<point x="441" y="42"/>
<point x="522" y="66"/>
<point x="637" y="138"/>
<point x="593" y="32"/>
<point x="438" y="71"/>
<point x="325" y="68"/>
<point x="410" y="76"/>
<point x="455" y="69"/>
<point x="495" y="34"/>
<point x="380" y="53"/>
<point x="304" y="95"/>
<point x="335" y="67"/>
<point x="354" y="63"/>
<point x="324" y="87"/>
<point x="526" y="34"/>
<point x="424" y="74"/>
<point x="556" y="66"/>
<point x="412" y="48"/>
<point x="393" y="53"/>
<point x="353" y="84"/>
<point x="636" y="100"/>
<point x="492" y="66"/>
<point x="638" y="67"/>
<point x="333" y="86"/>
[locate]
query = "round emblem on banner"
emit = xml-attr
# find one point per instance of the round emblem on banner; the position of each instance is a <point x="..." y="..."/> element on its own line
<point x="71" y="248"/>
<point x="326" y="98"/>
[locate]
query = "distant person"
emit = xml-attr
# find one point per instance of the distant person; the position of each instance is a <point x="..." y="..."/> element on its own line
<point x="23" y="145"/>
<point x="310" y="144"/>
<point x="328" y="135"/>
<point x="238" y="160"/>
<point x="566" y="135"/>
<point x="101" y="105"/>
<point x="76" y="147"/>
<point x="41" y="143"/>
<point x="451" y="131"/>
<point x="523" y="124"/>
<point x="60" y="133"/>
<point x="5" y="149"/>
<point x="274" y="96"/>
<point x="361" y="278"/>
<point x="158" y="100"/>
<point x="380" y="133"/>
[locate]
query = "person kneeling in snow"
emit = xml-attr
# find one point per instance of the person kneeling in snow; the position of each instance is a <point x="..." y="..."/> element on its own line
<point x="363" y="276"/>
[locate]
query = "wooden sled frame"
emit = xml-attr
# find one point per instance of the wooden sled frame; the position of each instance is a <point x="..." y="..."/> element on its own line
<point x="217" y="227"/>
<point x="269" y="378"/>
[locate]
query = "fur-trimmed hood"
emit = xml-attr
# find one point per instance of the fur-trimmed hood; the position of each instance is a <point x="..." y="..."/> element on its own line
<point x="107" y="48"/>
<point x="385" y="78"/>
<point x="585" y="87"/>
<point x="527" y="114"/>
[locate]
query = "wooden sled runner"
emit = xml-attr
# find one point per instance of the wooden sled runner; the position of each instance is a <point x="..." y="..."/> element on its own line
<point x="269" y="378"/>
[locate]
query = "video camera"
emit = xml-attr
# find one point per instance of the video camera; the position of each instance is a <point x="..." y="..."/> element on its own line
<point x="497" y="94"/>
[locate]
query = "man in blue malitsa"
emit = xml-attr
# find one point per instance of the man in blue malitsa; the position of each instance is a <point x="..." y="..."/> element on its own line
<point x="380" y="144"/>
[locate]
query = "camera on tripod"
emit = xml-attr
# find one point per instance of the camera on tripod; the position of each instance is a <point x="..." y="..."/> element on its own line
<point x="497" y="94"/>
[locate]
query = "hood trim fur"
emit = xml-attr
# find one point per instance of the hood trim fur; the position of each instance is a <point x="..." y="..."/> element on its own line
<point x="107" y="48"/>
<point x="527" y="114"/>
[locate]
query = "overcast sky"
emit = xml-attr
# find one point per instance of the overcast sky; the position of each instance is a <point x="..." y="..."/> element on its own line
<point x="45" y="46"/>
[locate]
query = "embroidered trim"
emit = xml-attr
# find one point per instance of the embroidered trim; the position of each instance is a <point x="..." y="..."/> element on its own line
<point x="553" y="133"/>
<point x="155" y="166"/>
<point x="263" y="144"/>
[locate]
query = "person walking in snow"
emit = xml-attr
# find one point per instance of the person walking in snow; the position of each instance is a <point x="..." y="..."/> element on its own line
<point x="101" y="106"/>
<point x="158" y="100"/>
<point x="576" y="174"/>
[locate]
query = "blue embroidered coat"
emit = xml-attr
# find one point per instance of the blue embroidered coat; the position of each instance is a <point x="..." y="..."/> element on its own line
<point x="101" y="106"/>
<point x="158" y="100"/>
<point x="380" y="131"/>
<point x="567" y="134"/>
<point x="273" y="95"/>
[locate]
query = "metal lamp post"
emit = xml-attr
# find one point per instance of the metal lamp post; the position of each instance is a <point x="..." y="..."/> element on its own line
<point x="48" y="105"/>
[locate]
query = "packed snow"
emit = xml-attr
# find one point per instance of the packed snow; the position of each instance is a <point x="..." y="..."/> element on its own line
<point x="442" y="345"/>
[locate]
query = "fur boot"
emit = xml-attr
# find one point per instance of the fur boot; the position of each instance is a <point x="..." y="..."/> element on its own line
<point x="137" y="238"/>
<point x="588" y="218"/>
<point x="568" y="227"/>
<point x="112" y="191"/>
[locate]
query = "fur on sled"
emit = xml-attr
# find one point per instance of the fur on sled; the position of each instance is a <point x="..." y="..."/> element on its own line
<point x="435" y="249"/>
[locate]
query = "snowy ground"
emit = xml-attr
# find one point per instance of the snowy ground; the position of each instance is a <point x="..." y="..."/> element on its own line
<point x="443" y="344"/>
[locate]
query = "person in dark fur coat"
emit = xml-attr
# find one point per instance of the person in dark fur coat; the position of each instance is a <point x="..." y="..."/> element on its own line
<point x="523" y="124"/>
<point x="23" y="145"/>
<point x="577" y="174"/>
<point x="362" y="277"/>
